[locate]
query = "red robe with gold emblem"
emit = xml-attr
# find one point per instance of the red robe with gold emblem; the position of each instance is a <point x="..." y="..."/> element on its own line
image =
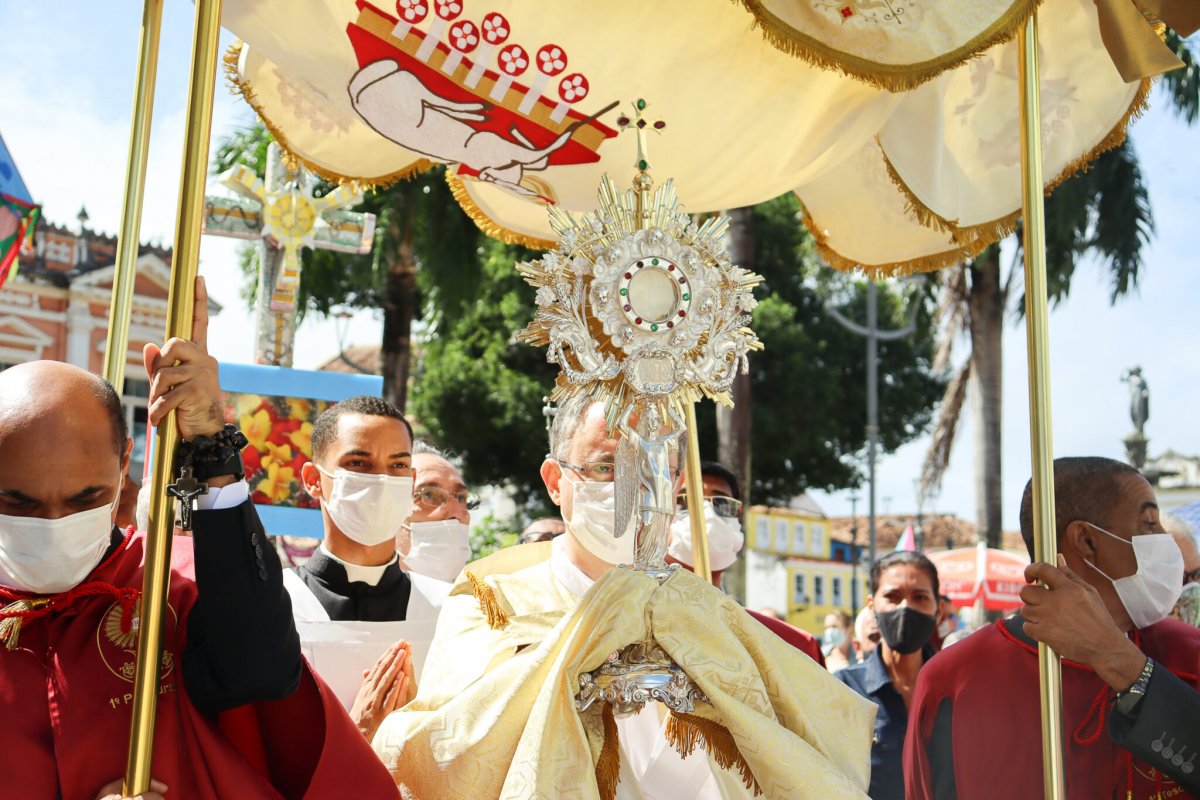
<point x="975" y="721"/>
<point x="66" y="695"/>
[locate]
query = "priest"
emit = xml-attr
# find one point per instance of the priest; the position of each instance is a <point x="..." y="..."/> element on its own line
<point x="239" y="713"/>
<point x="1131" y="705"/>
<point x="522" y="625"/>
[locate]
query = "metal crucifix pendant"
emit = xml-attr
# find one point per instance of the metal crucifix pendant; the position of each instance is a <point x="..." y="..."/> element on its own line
<point x="186" y="489"/>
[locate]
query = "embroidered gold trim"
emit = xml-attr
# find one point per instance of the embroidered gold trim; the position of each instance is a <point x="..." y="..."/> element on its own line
<point x="893" y="77"/>
<point x="486" y="223"/>
<point x="972" y="238"/>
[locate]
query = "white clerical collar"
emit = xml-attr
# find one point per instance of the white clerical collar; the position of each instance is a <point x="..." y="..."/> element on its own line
<point x="564" y="570"/>
<point x="360" y="574"/>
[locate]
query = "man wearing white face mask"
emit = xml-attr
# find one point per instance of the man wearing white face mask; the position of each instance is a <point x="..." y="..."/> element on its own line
<point x="232" y="686"/>
<point x="362" y="473"/>
<point x="436" y="539"/>
<point x="722" y="516"/>
<point x="1131" y="696"/>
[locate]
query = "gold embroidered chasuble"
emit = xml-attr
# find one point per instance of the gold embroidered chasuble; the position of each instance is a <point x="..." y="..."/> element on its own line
<point x="495" y="713"/>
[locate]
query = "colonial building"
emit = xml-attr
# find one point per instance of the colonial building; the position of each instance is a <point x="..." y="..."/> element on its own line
<point x="1178" y="479"/>
<point x="795" y="567"/>
<point x="56" y="307"/>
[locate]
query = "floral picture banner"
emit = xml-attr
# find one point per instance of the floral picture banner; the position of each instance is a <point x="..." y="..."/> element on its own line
<point x="275" y="408"/>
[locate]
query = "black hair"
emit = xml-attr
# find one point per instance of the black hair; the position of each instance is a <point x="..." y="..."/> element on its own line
<point x="111" y="401"/>
<point x="908" y="557"/>
<point x="324" y="430"/>
<point x="719" y="470"/>
<point x="1085" y="488"/>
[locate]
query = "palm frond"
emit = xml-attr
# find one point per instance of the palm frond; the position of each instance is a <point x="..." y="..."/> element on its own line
<point x="1182" y="86"/>
<point x="937" y="459"/>
<point x="953" y="314"/>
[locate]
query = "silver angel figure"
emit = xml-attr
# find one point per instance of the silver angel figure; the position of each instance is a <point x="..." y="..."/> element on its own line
<point x="645" y="482"/>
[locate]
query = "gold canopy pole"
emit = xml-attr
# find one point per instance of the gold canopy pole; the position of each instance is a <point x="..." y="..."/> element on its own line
<point x="695" y="498"/>
<point x="1037" y="337"/>
<point x="117" y="346"/>
<point x="179" y="324"/>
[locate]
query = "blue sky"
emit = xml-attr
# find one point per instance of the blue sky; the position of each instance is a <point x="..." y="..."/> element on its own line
<point x="64" y="112"/>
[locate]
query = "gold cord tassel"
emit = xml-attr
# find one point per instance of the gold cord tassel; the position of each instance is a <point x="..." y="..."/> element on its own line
<point x="608" y="765"/>
<point x="496" y="618"/>
<point x="686" y="731"/>
<point x="10" y="626"/>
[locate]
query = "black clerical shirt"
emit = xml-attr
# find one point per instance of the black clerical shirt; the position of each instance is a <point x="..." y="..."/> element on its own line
<point x="347" y="600"/>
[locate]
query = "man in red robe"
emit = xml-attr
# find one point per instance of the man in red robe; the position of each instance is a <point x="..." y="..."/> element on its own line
<point x="239" y="713"/>
<point x="1131" y="696"/>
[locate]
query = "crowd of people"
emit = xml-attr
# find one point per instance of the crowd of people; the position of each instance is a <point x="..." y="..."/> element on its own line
<point x="243" y="714"/>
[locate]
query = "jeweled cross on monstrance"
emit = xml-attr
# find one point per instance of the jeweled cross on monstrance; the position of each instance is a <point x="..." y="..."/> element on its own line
<point x="280" y="210"/>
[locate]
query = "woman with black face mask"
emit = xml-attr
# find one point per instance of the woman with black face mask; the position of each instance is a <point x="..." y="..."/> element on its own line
<point x="904" y="597"/>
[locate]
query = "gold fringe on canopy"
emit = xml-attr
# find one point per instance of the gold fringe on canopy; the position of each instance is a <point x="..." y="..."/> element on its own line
<point x="971" y="238"/>
<point x="486" y="223"/>
<point x="496" y="618"/>
<point x="892" y="77"/>
<point x="357" y="183"/>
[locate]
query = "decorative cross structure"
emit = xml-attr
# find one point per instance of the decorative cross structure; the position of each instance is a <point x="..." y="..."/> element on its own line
<point x="638" y="122"/>
<point x="282" y="214"/>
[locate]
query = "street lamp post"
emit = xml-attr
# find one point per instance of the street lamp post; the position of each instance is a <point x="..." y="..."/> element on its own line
<point x="854" y="555"/>
<point x="872" y="333"/>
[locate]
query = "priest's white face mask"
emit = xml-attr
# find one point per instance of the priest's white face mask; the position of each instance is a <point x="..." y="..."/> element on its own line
<point x="48" y="556"/>
<point x="592" y="517"/>
<point x="440" y="549"/>
<point x="725" y="538"/>
<point x="1150" y="593"/>
<point x="369" y="508"/>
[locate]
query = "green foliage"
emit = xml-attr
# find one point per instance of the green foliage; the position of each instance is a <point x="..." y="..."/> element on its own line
<point x="479" y="392"/>
<point x="1183" y="85"/>
<point x="491" y="534"/>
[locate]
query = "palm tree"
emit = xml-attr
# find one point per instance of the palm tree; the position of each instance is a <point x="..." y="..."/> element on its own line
<point x="1105" y="212"/>
<point x="425" y="258"/>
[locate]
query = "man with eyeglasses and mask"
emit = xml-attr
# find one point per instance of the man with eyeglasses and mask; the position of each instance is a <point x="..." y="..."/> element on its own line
<point x="505" y="612"/>
<point x="435" y="541"/>
<point x="1131" y="705"/>
<point x="238" y="714"/>
<point x="362" y="473"/>
<point x="723" y="526"/>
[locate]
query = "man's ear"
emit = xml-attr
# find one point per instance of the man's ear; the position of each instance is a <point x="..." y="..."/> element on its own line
<point x="551" y="473"/>
<point x="310" y="476"/>
<point x="1078" y="542"/>
<point x="125" y="458"/>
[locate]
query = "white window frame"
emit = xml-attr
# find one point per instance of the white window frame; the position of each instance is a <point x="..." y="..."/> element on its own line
<point x="818" y="595"/>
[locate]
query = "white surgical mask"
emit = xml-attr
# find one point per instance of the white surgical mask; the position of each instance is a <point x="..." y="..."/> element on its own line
<point x="832" y="639"/>
<point x="593" y="517"/>
<point x="725" y="538"/>
<point x="367" y="507"/>
<point x="944" y="629"/>
<point x="1150" y="593"/>
<point x="48" y="556"/>
<point x="439" y="549"/>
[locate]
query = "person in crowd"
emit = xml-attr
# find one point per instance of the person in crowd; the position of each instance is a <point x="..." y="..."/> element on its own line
<point x="127" y="505"/>
<point x="866" y="632"/>
<point x="362" y="473"/>
<point x="837" y="642"/>
<point x="904" y="597"/>
<point x="239" y="713"/>
<point x="947" y="620"/>
<point x="436" y="540"/>
<point x="722" y="516"/>
<point x="1130" y="705"/>
<point x="502" y="620"/>
<point x="1187" y="608"/>
<point x="543" y="530"/>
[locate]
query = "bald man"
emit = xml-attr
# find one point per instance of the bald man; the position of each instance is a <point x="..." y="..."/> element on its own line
<point x="239" y="714"/>
<point x="1187" y="608"/>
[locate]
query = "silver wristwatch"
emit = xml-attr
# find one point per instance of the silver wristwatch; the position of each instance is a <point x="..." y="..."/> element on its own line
<point x="1128" y="700"/>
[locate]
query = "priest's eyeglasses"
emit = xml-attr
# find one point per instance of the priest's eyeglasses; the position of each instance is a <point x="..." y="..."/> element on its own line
<point x="599" y="471"/>
<point x="431" y="497"/>
<point x="723" y="506"/>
